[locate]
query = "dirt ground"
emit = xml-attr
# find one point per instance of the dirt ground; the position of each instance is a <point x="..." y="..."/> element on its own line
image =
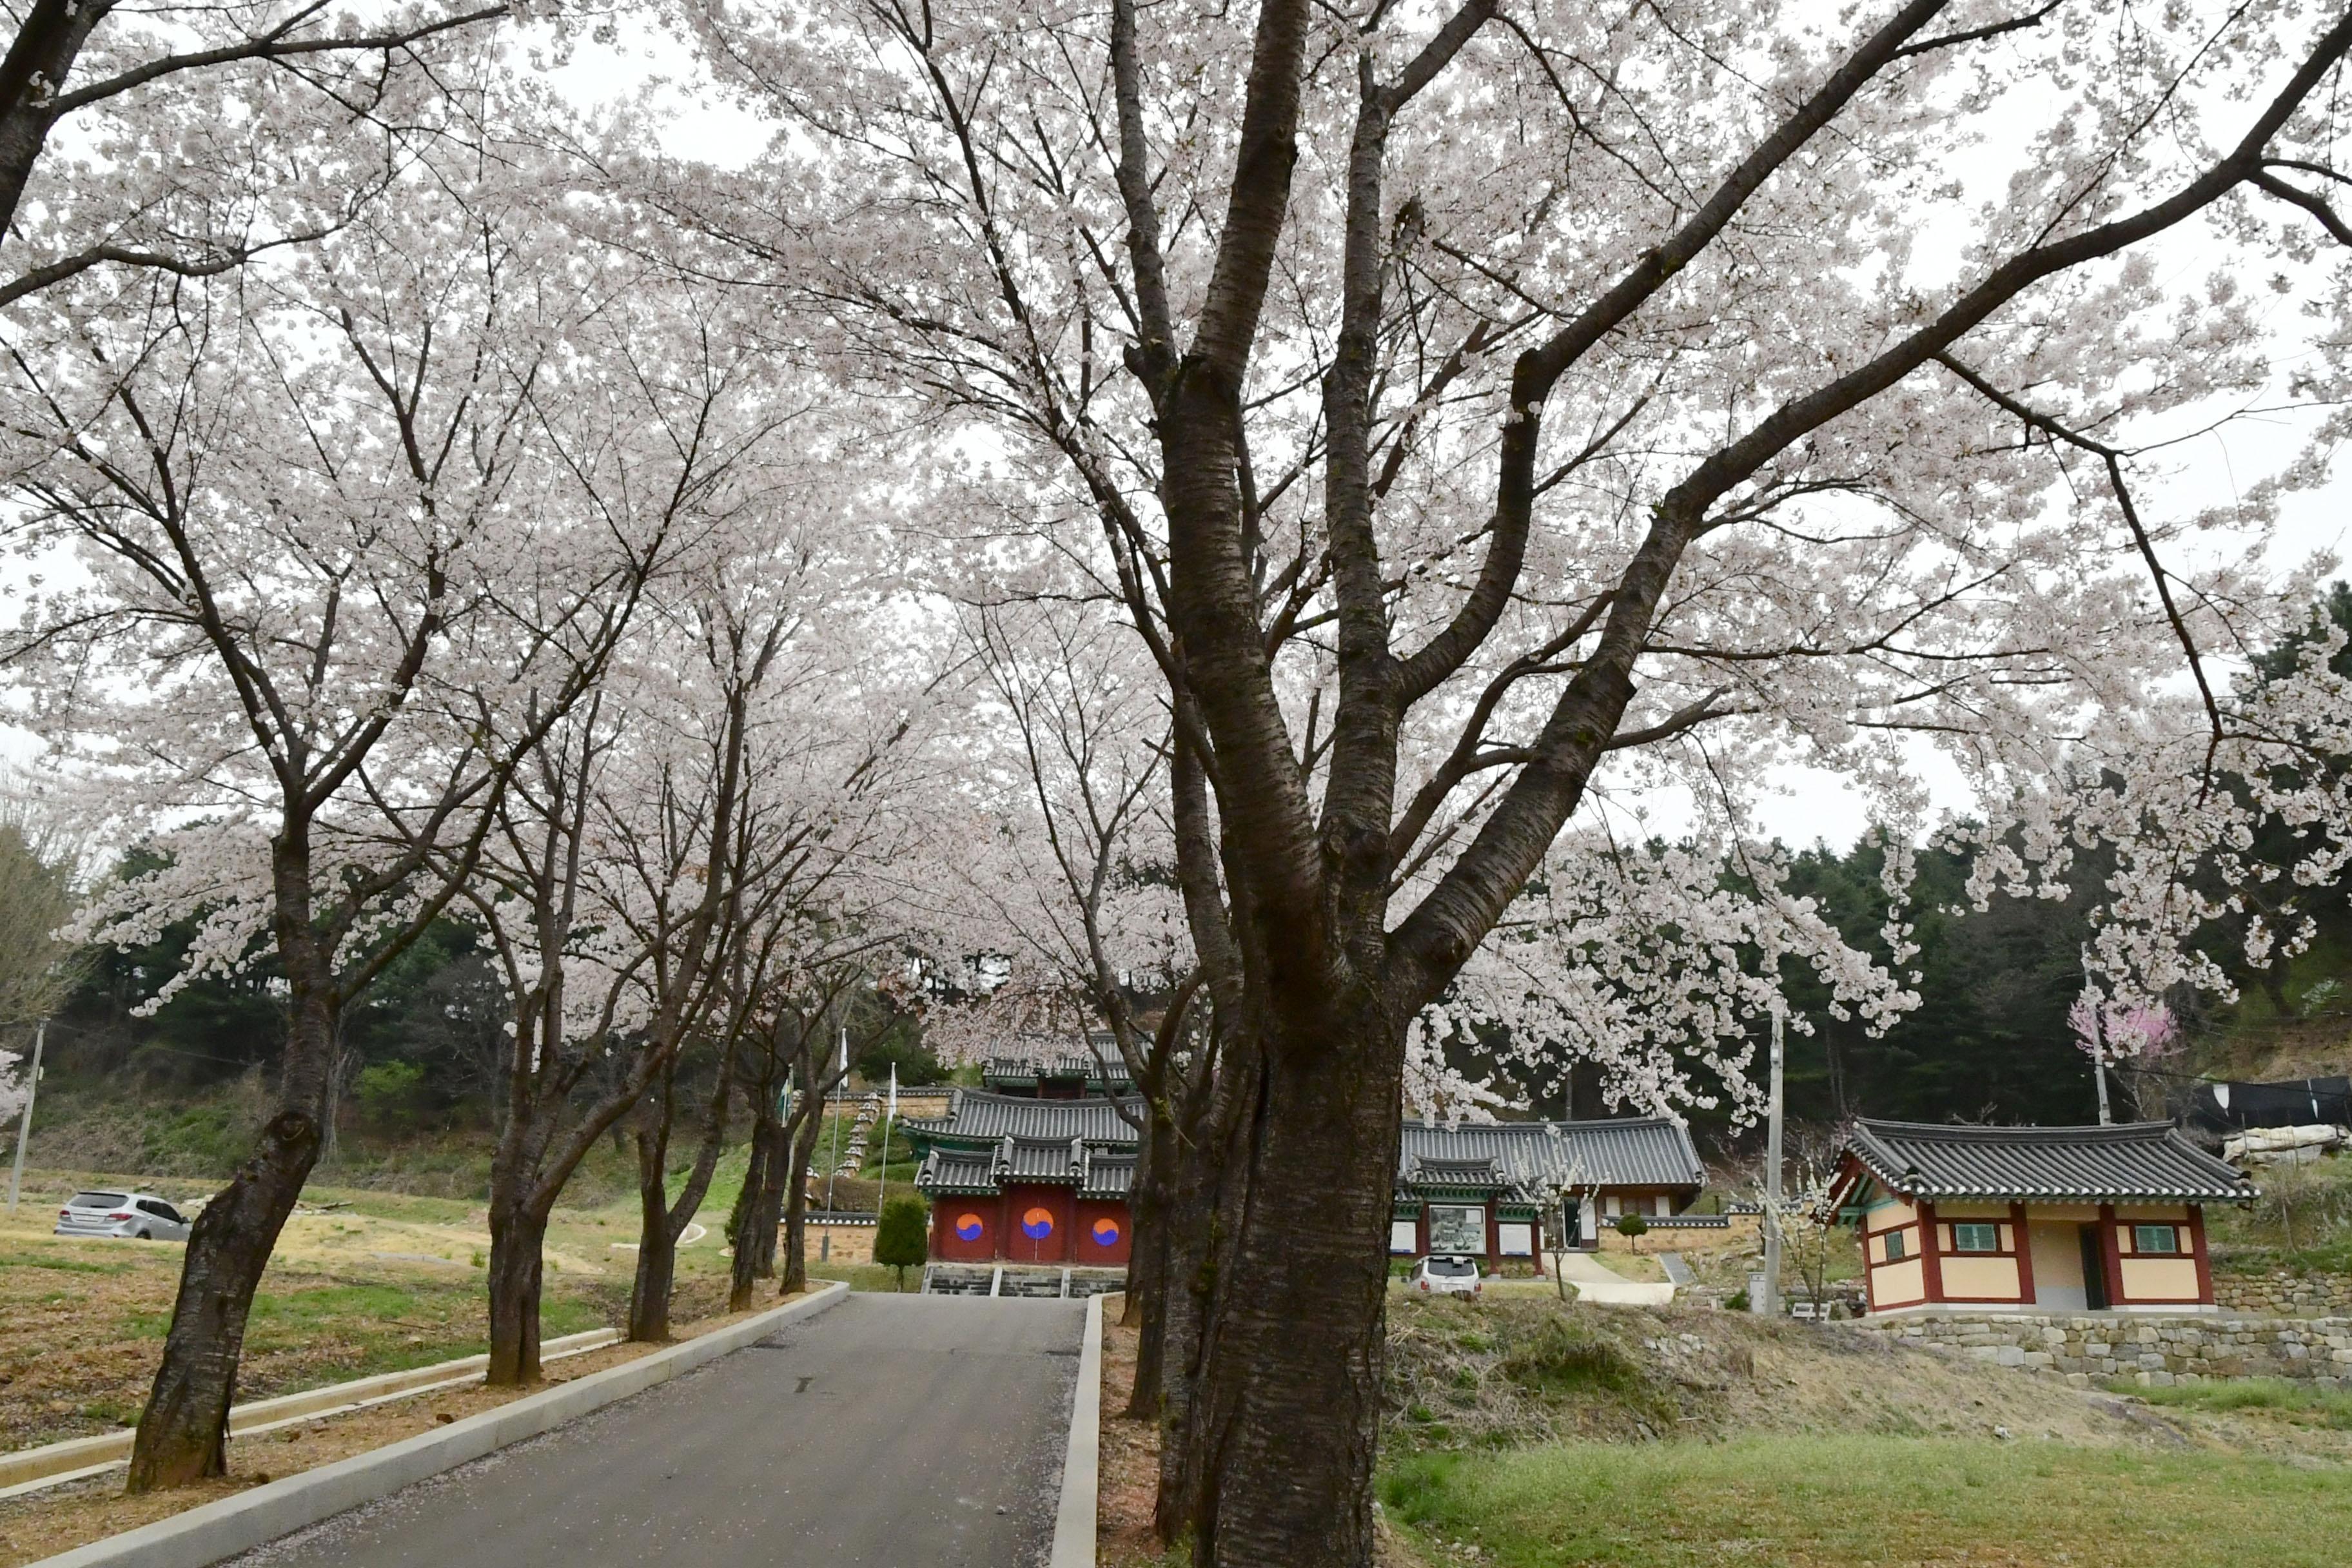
<point x="1130" y="1467"/>
<point x="42" y="1524"/>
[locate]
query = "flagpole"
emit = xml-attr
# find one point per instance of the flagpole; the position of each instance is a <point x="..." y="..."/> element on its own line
<point x="888" y="1110"/>
<point x="833" y="1166"/>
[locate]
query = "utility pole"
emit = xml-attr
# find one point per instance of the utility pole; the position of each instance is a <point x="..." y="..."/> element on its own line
<point x="1770" y="1305"/>
<point x="2099" y="1070"/>
<point x="24" y="1117"/>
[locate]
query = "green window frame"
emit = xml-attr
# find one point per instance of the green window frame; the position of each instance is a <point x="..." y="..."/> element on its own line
<point x="2162" y="1240"/>
<point x="1894" y="1247"/>
<point x="1984" y="1237"/>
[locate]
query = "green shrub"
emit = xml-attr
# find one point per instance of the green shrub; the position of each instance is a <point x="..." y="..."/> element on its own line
<point x="392" y="1095"/>
<point x="1633" y="1225"/>
<point x="900" y="1237"/>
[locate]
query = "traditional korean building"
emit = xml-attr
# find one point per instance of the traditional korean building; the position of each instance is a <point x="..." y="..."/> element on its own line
<point x="1018" y="1176"/>
<point x="2031" y="1218"/>
<point x="1489" y="1191"/>
<point x="1058" y="1078"/>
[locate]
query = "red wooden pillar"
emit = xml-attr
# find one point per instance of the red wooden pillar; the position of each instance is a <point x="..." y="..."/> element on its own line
<point x="1931" y="1259"/>
<point x="2022" y="1240"/>
<point x="2111" y="1256"/>
<point x="2204" y="1262"/>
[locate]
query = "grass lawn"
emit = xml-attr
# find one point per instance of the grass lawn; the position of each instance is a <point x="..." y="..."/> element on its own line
<point x="2277" y="1396"/>
<point x="1835" y="1501"/>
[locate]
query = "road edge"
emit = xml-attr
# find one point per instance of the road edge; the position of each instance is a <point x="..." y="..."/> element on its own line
<point x="1074" y="1520"/>
<point x="205" y="1535"/>
<point x="55" y="1461"/>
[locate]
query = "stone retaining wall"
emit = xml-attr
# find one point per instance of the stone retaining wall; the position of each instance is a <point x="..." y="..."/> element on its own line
<point x="2091" y="1348"/>
<point x="2284" y="1294"/>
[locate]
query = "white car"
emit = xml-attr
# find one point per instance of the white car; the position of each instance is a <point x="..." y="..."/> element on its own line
<point x="1444" y="1276"/>
<point x="143" y="1215"/>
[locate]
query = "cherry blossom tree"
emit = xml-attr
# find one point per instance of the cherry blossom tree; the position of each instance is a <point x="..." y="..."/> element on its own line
<point x="199" y="136"/>
<point x="16" y="1085"/>
<point x="654" y="824"/>
<point x="1654" y="963"/>
<point x="1075" y="902"/>
<point x="292" y="497"/>
<point x="1482" y="412"/>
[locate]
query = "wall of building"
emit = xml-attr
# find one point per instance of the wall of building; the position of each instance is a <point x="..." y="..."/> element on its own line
<point x="1894" y="1275"/>
<point x="1049" y="1212"/>
<point x="2091" y="1348"/>
<point x="1100" y="1238"/>
<point x="951" y="1217"/>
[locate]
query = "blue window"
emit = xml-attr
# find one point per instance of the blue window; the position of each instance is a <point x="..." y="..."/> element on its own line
<point x="2156" y="1238"/>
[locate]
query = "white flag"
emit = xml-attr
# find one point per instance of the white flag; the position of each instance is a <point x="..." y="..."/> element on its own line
<point x="894" y="1090"/>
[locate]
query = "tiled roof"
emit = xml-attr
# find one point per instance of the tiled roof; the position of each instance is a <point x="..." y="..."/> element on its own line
<point x="1540" y="1157"/>
<point x="1425" y="1171"/>
<point x="975" y="1116"/>
<point x="1111" y="1069"/>
<point x="1019" y="1159"/>
<point x="1096" y="1171"/>
<point x="1107" y="1176"/>
<point x="957" y="1171"/>
<point x="2136" y="1161"/>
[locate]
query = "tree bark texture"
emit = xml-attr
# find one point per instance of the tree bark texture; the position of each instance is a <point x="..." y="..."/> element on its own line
<point x="32" y="75"/>
<point x="183" y="1433"/>
<point x="517" y="1236"/>
<point x="1289" y="1338"/>
<point x="800" y="1141"/>
<point x="755" y="1233"/>
<point x="660" y="1222"/>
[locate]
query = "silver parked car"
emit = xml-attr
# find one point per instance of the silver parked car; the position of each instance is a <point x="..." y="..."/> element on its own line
<point x="1438" y="1275"/>
<point x="139" y="1215"/>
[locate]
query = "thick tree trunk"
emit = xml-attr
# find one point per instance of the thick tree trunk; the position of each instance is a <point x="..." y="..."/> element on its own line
<point x="517" y="1238"/>
<point x="1291" y="1339"/>
<point x="755" y="1233"/>
<point x="1146" y="1309"/>
<point x="35" y="71"/>
<point x="660" y="1222"/>
<point x="1208" y="1198"/>
<point x="656" y="1242"/>
<point x="802" y="1142"/>
<point x="768" y="1214"/>
<point x="183" y="1432"/>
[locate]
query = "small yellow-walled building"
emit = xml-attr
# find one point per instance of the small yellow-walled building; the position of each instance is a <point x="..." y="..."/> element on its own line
<point x="2031" y="1218"/>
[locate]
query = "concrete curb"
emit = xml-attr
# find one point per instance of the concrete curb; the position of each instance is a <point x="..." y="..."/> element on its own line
<point x="250" y="1518"/>
<point x="1074" y="1521"/>
<point x="75" y="1454"/>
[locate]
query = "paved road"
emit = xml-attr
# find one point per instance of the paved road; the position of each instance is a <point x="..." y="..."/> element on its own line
<point x="1596" y="1281"/>
<point x="889" y="1431"/>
